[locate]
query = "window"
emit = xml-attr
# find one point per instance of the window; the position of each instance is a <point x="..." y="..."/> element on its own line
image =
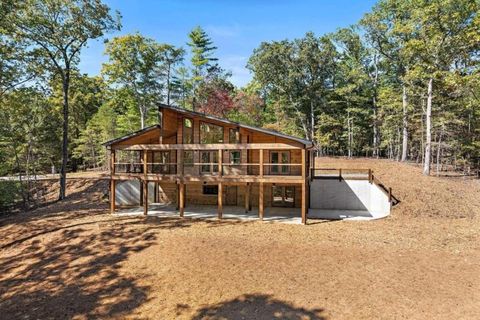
<point x="161" y="160"/>
<point x="234" y="136"/>
<point x="235" y="157"/>
<point x="211" y="133"/>
<point x="210" y="190"/>
<point x="210" y="160"/>
<point x="280" y="157"/>
<point x="188" y="158"/>
<point x="283" y="196"/>
<point x="187" y="131"/>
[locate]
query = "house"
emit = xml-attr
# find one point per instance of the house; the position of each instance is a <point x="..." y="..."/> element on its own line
<point x="192" y="158"/>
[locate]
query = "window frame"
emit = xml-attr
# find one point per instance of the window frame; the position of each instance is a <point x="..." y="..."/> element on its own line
<point x="211" y="187"/>
<point x="184" y="119"/>
<point x="235" y="131"/>
<point x="279" y="168"/>
<point x="283" y="203"/>
<point x="202" y="123"/>
<point x="232" y="158"/>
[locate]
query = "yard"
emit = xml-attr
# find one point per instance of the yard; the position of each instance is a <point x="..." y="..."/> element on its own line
<point x="74" y="260"/>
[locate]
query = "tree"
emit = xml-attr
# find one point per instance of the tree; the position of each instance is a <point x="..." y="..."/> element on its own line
<point x="201" y="47"/>
<point x="443" y="31"/>
<point x="300" y="73"/>
<point x="137" y="64"/>
<point x="56" y="30"/>
<point x="388" y="30"/>
<point x="172" y="57"/>
<point x="86" y="95"/>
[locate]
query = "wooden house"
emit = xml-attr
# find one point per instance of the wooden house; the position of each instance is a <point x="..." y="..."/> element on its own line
<point x="193" y="158"/>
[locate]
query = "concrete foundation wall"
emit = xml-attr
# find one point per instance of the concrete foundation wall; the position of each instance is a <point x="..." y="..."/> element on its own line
<point x="357" y="195"/>
<point x="127" y="193"/>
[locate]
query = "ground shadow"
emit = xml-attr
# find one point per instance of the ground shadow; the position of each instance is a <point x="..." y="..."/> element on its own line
<point x="256" y="306"/>
<point x="75" y="271"/>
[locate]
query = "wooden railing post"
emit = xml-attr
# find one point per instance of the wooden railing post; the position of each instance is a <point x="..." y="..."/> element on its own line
<point x="304" y="167"/>
<point x="390" y="195"/>
<point x="339" y="174"/>
<point x="220" y="160"/>
<point x="112" y="161"/>
<point x="370" y="175"/>
<point x="261" y="163"/>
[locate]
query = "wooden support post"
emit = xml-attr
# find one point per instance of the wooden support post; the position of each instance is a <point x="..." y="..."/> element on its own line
<point x="261" y="162"/>
<point x="181" y="198"/>
<point x="112" y="182"/>
<point x="370" y="175"/>
<point x="339" y="174"/>
<point x="220" y="200"/>
<point x="390" y="195"/>
<point x="304" y="163"/>
<point x="112" y="196"/>
<point x="260" y="201"/>
<point x="304" y="203"/>
<point x="145" y="197"/>
<point x="247" y="197"/>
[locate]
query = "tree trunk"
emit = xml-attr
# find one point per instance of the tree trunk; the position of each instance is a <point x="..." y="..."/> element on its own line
<point x="312" y="119"/>
<point x="439" y="149"/>
<point x="376" y="139"/>
<point x="63" y="169"/>
<point x="428" y="130"/>
<point x="405" y="125"/>
<point x="142" y="117"/>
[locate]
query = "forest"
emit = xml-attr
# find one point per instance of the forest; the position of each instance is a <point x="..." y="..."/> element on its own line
<point x="403" y="83"/>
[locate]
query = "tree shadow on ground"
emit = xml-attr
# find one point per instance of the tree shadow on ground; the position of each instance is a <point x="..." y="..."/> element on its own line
<point x="256" y="306"/>
<point x="76" y="271"/>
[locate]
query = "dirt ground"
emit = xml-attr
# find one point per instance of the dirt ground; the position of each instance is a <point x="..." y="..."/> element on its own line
<point x="74" y="260"/>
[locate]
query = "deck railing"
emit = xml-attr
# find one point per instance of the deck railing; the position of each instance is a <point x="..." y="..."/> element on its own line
<point x="212" y="168"/>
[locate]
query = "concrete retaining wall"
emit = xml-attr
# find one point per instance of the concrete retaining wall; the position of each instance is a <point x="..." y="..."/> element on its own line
<point x="349" y="195"/>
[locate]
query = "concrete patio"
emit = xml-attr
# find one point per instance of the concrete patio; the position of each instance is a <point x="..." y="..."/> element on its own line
<point x="272" y="214"/>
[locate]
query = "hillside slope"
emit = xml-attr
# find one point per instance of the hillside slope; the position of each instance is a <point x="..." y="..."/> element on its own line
<point x="420" y="196"/>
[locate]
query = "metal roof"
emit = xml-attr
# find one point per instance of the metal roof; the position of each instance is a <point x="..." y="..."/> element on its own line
<point x="307" y="143"/>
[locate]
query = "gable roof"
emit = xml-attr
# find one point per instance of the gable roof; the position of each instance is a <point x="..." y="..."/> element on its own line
<point x="306" y="143"/>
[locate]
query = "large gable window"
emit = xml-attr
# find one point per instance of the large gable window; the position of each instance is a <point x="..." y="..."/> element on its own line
<point x="187" y="131"/>
<point x="210" y="133"/>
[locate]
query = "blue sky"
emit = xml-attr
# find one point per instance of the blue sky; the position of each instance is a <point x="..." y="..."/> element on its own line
<point x="236" y="27"/>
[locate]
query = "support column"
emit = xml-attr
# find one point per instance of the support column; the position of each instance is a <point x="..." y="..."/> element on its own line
<point x="260" y="201"/>
<point x="145" y="197"/>
<point x="261" y="162"/>
<point x="304" y="203"/>
<point x="247" y="197"/>
<point x="112" y="196"/>
<point x="112" y="182"/>
<point x="220" y="200"/>
<point x="181" y="198"/>
<point x="304" y="187"/>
